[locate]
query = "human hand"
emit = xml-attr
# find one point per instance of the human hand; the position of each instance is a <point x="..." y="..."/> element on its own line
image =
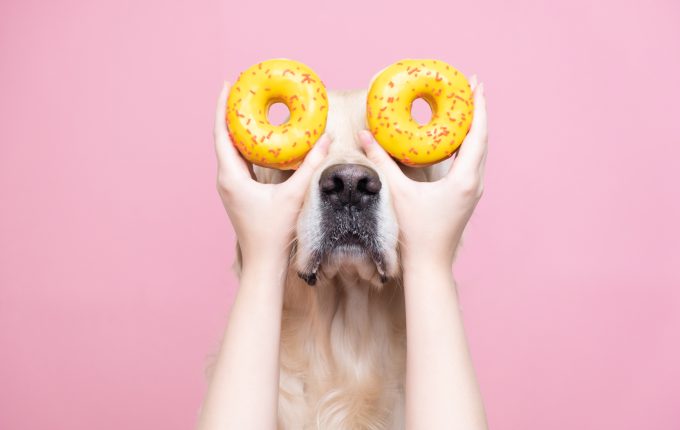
<point x="263" y="215"/>
<point x="433" y="215"/>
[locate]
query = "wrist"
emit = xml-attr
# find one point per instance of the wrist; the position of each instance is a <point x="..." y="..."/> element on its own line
<point x="425" y="262"/>
<point x="264" y="253"/>
<point x="438" y="245"/>
<point x="264" y="261"/>
<point x="425" y="279"/>
<point x="432" y="257"/>
<point x="271" y="263"/>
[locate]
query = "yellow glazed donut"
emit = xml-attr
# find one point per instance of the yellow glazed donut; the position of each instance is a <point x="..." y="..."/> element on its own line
<point x="256" y="89"/>
<point x="388" y="110"/>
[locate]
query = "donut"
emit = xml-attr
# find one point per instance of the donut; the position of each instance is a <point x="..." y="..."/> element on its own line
<point x="388" y="110"/>
<point x="286" y="81"/>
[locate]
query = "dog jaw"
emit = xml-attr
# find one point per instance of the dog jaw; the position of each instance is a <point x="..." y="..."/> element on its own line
<point x="343" y="343"/>
<point x="320" y="252"/>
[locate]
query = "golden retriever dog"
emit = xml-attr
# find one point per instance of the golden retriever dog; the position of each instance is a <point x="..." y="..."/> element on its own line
<point x="343" y="336"/>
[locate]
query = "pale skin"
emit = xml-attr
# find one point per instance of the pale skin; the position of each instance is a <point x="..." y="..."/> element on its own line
<point x="441" y="390"/>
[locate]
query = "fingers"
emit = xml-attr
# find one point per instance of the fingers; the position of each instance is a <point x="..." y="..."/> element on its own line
<point x="229" y="159"/>
<point x="380" y="157"/>
<point x="472" y="152"/>
<point x="312" y="161"/>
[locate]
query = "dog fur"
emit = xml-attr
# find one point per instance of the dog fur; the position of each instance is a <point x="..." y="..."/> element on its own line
<point x="343" y="340"/>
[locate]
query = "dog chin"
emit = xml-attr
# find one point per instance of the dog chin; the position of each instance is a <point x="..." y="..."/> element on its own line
<point x="351" y="263"/>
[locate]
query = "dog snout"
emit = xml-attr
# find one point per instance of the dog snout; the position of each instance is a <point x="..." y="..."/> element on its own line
<point x="350" y="185"/>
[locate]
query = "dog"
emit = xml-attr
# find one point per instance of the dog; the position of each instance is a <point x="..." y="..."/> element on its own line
<point x="343" y="334"/>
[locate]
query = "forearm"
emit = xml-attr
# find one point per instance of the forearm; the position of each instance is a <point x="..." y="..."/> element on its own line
<point x="441" y="387"/>
<point x="243" y="392"/>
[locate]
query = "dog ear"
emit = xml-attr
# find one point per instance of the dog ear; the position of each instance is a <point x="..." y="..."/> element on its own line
<point x="238" y="261"/>
<point x="211" y="357"/>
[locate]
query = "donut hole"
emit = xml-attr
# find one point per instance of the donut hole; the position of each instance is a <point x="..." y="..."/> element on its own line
<point x="278" y="113"/>
<point x="421" y="111"/>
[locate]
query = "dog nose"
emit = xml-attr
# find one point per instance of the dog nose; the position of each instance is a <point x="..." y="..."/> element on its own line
<point x="350" y="185"/>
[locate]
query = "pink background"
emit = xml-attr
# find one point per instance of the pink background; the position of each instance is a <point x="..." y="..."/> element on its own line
<point x="115" y="250"/>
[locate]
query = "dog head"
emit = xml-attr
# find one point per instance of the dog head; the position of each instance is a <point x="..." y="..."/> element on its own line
<point x="347" y="226"/>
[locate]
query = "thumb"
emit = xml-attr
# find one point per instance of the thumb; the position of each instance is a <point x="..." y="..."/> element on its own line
<point x="314" y="158"/>
<point x="379" y="156"/>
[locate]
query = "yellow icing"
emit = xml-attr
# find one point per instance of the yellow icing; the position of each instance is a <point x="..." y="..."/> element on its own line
<point x="256" y="89"/>
<point x="388" y="110"/>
